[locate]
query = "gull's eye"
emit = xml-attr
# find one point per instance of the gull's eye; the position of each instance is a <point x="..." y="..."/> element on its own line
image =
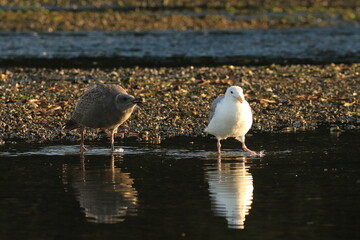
<point x="231" y="92"/>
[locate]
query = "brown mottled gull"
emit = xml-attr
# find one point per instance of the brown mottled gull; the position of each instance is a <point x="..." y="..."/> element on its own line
<point x="104" y="106"/>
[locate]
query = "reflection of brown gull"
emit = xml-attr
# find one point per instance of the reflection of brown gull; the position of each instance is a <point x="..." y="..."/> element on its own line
<point x="104" y="106"/>
<point x="106" y="195"/>
<point x="231" y="192"/>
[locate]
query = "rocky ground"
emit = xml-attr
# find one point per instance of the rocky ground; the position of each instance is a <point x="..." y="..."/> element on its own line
<point x="35" y="103"/>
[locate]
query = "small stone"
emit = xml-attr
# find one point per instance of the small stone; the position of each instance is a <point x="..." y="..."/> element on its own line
<point x="33" y="105"/>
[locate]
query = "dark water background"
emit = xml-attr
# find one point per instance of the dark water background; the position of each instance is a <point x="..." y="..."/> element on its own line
<point x="176" y="48"/>
<point x="307" y="186"/>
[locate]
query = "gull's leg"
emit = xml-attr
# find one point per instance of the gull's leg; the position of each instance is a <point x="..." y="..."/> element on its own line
<point x="242" y="140"/>
<point x="248" y="150"/>
<point x="218" y="146"/>
<point x="82" y="146"/>
<point x="112" y="139"/>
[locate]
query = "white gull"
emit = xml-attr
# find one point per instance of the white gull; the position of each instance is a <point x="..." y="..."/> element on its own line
<point x="230" y="116"/>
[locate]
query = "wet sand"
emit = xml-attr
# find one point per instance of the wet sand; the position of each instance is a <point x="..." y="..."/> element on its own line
<point x="35" y="102"/>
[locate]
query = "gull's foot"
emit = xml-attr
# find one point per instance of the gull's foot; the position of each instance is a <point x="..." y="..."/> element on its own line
<point x="251" y="152"/>
<point x="255" y="154"/>
<point x="117" y="150"/>
<point x="261" y="153"/>
<point x="83" y="149"/>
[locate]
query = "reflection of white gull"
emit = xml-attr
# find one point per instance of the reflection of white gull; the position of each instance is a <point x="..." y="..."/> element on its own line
<point x="231" y="192"/>
<point x="105" y="194"/>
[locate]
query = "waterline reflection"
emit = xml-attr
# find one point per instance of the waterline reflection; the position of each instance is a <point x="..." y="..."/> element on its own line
<point x="105" y="194"/>
<point x="231" y="191"/>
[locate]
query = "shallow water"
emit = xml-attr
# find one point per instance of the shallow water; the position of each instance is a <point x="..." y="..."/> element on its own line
<point x="169" y="48"/>
<point x="307" y="186"/>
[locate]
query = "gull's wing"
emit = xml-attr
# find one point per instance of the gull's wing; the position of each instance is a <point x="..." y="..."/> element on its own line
<point x="93" y="95"/>
<point x="213" y="106"/>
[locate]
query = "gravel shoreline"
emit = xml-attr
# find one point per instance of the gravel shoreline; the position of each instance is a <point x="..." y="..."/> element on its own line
<point x="43" y="20"/>
<point x="35" y="102"/>
<point x="113" y="15"/>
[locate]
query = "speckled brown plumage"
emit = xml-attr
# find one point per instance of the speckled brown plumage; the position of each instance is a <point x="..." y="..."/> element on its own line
<point x="104" y="106"/>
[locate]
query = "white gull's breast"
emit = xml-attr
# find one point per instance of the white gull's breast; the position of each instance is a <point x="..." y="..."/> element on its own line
<point x="231" y="119"/>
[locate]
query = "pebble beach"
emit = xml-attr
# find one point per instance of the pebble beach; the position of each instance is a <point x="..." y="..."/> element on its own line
<point x="36" y="102"/>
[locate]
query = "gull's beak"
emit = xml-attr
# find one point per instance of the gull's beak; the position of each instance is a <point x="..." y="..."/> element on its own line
<point x="138" y="100"/>
<point x="240" y="99"/>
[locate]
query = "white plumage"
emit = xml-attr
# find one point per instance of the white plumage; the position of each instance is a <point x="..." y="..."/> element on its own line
<point x="230" y="116"/>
